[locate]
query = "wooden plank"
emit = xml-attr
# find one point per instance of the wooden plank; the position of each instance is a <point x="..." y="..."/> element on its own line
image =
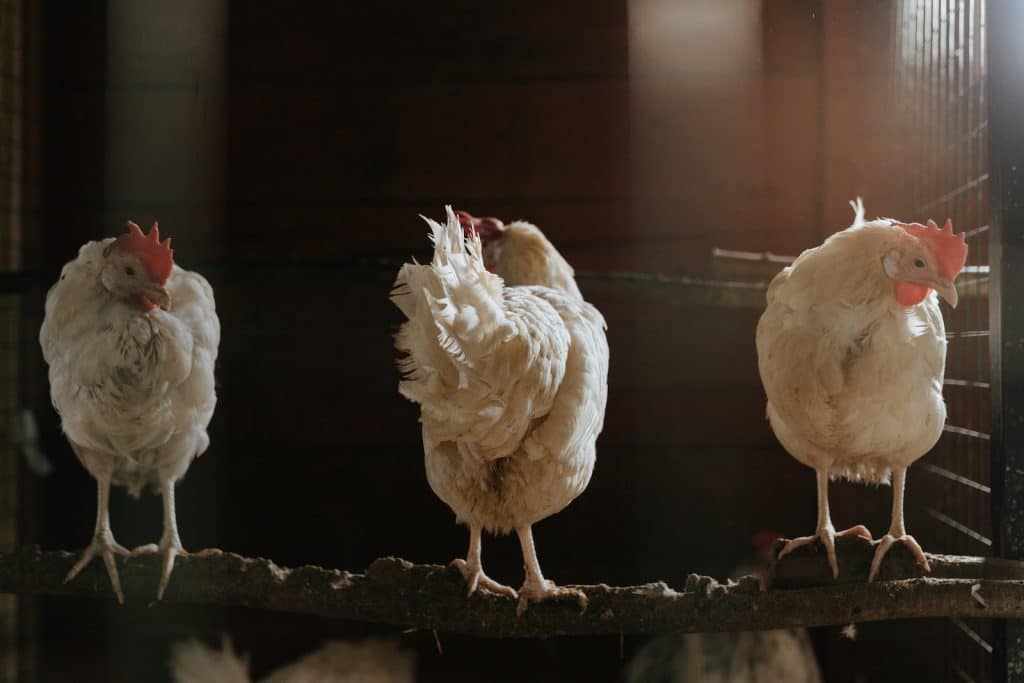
<point x="395" y="591"/>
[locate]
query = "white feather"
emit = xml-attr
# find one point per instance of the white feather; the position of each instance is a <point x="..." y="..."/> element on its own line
<point x="370" y="661"/>
<point x="193" y="662"/>
<point x="744" y="657"/>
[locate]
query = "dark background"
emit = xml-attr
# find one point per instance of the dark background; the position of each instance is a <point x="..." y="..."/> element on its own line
<point x="288" y="148"/>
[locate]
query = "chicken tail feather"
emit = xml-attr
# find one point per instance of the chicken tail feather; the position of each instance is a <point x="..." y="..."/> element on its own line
<point x="858" y="211"/>
<point x="454" y="305"/>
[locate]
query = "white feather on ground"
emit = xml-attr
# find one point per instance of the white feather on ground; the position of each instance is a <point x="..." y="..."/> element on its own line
<point x="370" y="661"/>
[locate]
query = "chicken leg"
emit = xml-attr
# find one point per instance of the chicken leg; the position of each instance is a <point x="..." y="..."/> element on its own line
<point x="473" y="571"/>
<point x="826" y="533"/>
<point x="536" y="587"/>
<point x="103" y="543"/>
<point x="897" y="532"/>
<point x="170" y="542"/>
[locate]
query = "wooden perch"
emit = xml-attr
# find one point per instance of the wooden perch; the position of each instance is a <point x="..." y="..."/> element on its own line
<point x="393" y="591"/>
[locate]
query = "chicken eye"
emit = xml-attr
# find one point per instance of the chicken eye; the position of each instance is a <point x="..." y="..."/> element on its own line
<point x="918" y="263"/>
<point x="129" y="270"/>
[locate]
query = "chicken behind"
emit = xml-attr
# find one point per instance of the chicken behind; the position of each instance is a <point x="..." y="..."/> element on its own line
<point x="509" y="367"/>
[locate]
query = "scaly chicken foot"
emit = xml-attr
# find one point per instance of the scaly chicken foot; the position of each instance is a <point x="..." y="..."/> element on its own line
<point x="472" y="569"/>
<point x="170" y="548"/>
<point x="897" y="531"/>
<point x="536" y="588"/>
<point x="827" y="535"/>
<point x="475" y="578"/>
<point x="170" y="543"/>
<point x="887" y="542"/>
<point x="826" y="532"/>
<point x="103" y="543"/>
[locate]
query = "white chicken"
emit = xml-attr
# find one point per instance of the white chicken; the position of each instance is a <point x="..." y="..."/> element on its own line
<point x="851" y="350"/>
<point x="370" y="661"/>
<point x="771" y="656"/>
<point x="131" y="340"/>
<point x="509" y="367"/>
<point x="776" y="656"/>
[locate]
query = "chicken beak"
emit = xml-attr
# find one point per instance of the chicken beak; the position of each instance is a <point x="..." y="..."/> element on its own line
<point x="159" y="295"/>
<point x="947" y="290"/>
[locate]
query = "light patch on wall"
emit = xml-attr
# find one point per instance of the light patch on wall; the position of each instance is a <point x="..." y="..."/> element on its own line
<point x="696" y="82"/>
<point x="695" y="40"/>
<point x="166" y="75"/>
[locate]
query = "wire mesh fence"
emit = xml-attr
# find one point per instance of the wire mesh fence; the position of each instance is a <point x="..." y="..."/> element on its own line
<point x="940" y="98"/>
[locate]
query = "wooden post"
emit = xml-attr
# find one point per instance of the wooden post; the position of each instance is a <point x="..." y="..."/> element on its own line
<point x="10" y="260"/>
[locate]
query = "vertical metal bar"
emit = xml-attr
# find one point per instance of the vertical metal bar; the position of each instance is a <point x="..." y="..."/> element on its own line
<point x="1005" y="57"/>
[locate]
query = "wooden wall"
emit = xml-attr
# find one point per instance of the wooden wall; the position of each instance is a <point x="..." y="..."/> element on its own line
<point x="329" y="128"/>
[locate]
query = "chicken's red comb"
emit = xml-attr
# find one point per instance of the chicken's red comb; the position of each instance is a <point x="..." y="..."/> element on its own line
<point x="950" y="249"/>
<point x="487" y="228"/>
<point x="156" y="256"/>
<point x="466" y="221"/>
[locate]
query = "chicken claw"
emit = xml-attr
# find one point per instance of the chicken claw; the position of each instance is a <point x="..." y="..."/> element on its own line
<point x="475" y="578"/>
<point x="536" y="587"/>
<point x="827" y="535"/>
<point x="169" y="548"/>
<point x="887" y="542"/>
<point x="547" y="590"/>
<point x="169" y="551"/>
<point x="104" y="545"/>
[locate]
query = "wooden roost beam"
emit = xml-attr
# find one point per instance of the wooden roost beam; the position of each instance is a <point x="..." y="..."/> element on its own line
<point x="393" y="591"/>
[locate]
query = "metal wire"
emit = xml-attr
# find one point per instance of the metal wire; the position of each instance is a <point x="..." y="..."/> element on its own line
<point x="939" y="96"/>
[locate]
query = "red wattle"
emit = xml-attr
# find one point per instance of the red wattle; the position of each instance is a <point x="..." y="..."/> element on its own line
<point x="910" y="294"/>
<point x="144" y="304"/>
